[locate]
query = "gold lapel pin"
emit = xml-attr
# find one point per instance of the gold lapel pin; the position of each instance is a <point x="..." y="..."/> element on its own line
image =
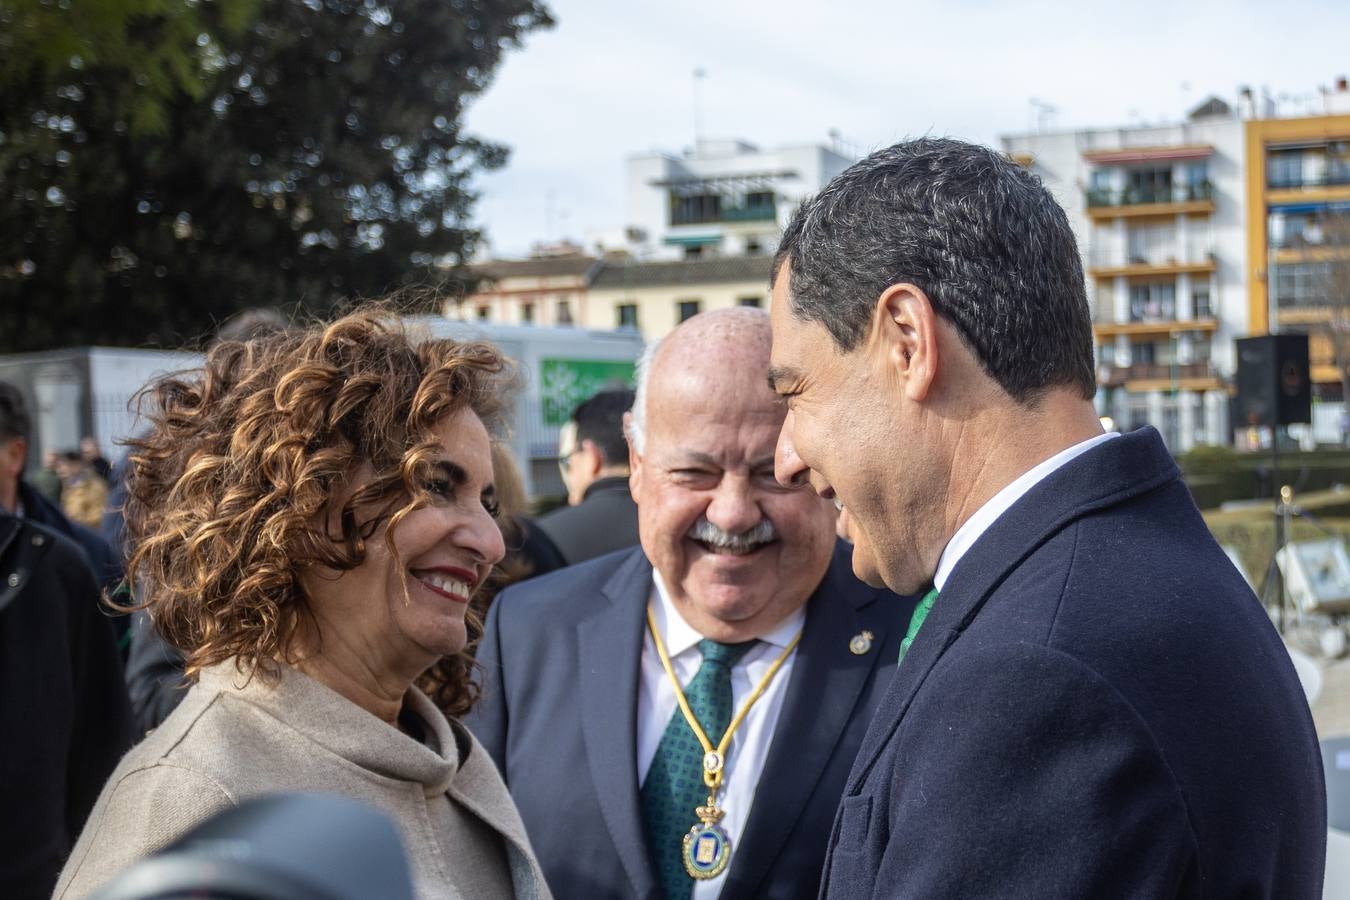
<point x="860" y="643"/>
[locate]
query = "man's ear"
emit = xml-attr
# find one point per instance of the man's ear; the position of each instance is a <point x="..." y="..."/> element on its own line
<point x="594" y="460"/>
<point x="904" y="330"/>
<point x="13" y="455"/>
<point x="634" y="458"/>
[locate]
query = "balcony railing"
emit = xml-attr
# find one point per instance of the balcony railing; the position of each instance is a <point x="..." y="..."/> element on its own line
<point x="1137" y="196"/>
<point x="714" y="214"/>
<point x="1114" y="376"/>
<point x="761" y="212"/>
<point x="1112" y="258"/>
<point x="1293" y="182"/>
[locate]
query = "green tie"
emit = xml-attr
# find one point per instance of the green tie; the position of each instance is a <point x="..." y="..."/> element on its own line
<point x="916" y="622"/>
<point x="674" y="785"/>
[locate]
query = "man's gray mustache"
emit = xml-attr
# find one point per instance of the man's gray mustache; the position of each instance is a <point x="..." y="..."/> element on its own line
<point x="741" y="542"/>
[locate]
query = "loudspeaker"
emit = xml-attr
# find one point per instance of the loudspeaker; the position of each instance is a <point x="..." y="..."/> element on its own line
<point x="1272" y="381"/>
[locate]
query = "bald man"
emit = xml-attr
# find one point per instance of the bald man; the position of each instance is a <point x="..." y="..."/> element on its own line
<point x="738" y="584"/>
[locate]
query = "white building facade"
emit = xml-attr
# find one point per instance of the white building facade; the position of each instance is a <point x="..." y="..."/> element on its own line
<point x="1159" y="214"/>
<point x="724" y="198"/>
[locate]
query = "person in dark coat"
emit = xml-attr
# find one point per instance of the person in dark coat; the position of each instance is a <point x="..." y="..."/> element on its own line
<point x="20" y="498"/>
<point x="601" y="516"/>
<point x="63" y="707"/>
<point x="1091" y="701"/>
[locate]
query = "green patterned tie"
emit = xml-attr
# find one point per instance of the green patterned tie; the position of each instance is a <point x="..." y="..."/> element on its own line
<point x="674" y="785"/>
<point x="916" y="622"/>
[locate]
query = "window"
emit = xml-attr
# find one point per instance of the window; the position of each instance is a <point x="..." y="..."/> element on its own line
<point x="1284" y="169"/>
<point x="1155" y="302"/>
<point x="695" y="209"/>
<point x="759" y="199"/>
<point x="1101" y="190"/>
<point x="1197" y="181"/>
<point x="564" y="312"/>
<point x="1151" y="244"/>
<point x="1301" y="284"/>
<point x="1201" y="306"/>
<point x="628" y="317"/>
<point x="527" y="312"/>
<point x="483" y="313"/>
<point x="748" y="301"/>
<point x="1338" y="163"/>
<point x="687" y="309"/>
<point x="1148" y="185"/>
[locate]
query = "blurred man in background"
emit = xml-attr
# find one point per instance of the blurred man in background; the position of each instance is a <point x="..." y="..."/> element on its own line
<point x="91" y="453"/>
<point x="21" y="499"/>
<point x="601" y="516"/>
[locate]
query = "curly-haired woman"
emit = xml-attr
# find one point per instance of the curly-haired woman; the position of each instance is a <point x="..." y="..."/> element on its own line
<point x="310" y="516"/>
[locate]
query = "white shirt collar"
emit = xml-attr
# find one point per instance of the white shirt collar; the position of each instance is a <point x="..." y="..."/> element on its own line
<point x="680" y="636"/>
<point x="971" y="530"/>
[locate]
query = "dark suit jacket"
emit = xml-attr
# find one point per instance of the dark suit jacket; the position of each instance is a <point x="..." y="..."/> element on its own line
<point x="1097" y="706"/>
<point x="559" y="714"/>
<point x="64" y="715"/>
<point x="605" y="520"/>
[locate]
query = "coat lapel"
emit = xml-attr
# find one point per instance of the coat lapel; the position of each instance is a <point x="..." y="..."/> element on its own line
<point x="1119" y="469"/>
<point x="610" y="643"/>
<point x="827" y="683"/>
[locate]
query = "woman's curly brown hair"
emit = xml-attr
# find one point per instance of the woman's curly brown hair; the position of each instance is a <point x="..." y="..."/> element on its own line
<point x="229" y="492"/>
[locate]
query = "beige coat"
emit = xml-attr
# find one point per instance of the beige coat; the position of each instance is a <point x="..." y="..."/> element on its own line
<point x="228" y="741"/>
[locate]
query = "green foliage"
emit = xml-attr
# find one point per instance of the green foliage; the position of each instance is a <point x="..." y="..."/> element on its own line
<point x="192" y="158"/>
<point x="1216" y="475"/>
<point x="163" y="47"/>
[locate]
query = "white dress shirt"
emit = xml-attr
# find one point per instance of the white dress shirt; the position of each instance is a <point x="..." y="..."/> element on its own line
<point x="997" y="505"/>
<point x="749" y="745"/>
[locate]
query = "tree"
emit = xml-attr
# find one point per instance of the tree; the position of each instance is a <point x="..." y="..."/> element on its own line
<point x="309" y="154"/>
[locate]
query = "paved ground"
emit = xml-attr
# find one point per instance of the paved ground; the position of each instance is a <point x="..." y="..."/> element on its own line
<point x="1331" y="709"/>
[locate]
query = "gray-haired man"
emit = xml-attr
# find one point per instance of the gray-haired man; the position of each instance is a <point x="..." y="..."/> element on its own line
<point x="737" y="599"/>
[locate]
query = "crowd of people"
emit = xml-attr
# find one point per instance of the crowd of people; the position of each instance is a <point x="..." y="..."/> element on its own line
<point x="854" y="598"/>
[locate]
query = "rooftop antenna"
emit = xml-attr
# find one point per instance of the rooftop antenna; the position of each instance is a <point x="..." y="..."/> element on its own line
<point x="1041" y="112"/>
<point x="699" y="74"/>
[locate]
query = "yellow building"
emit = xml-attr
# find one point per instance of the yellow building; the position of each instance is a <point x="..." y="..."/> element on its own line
<point x="1298" y="174"/>
<point x="654" y="297"/>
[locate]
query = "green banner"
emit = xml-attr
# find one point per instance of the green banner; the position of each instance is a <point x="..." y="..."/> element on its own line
<point x="566" y="383"/>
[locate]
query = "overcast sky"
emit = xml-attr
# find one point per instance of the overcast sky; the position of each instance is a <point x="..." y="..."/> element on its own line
<point x="615" y="77"/>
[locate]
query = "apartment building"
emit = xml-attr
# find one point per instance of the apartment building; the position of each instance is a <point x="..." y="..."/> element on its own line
<point x="722" y="197"/>
<point x="1159" y="213"/>
<point x="1196" y="233"/>
<point x="1298" y="247"/>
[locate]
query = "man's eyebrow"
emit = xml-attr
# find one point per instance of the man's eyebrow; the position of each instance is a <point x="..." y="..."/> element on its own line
<point x="780" y="375"/>
<point x="695" y="457"/>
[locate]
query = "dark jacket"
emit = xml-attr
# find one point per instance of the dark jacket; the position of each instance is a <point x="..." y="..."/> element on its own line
<point x="103" y="560"/>
<point x="561" y="668"/>
<point x="64" y="714"/>
<point x="604" y="521"/>
<point x="1097" y="706"/>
